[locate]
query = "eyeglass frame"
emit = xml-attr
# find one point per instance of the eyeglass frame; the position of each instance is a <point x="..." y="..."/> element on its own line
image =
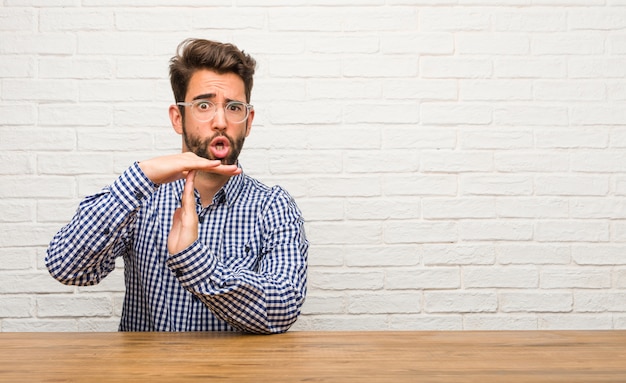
<point x="248" y="107"/>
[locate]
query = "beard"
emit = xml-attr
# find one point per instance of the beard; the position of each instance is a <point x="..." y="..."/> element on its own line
<point x="200" y="147"/>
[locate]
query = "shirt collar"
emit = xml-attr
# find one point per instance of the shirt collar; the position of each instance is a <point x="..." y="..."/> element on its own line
<point x="231" y="190"/>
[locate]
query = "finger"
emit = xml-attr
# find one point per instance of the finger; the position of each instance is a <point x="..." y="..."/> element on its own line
<point x="221" y="168"/>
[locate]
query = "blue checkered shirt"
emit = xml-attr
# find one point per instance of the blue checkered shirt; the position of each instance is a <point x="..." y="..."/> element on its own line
<point x="246" y="272"/>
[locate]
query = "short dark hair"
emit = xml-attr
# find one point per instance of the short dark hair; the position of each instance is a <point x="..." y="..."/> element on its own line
<point x="195" y="54"/>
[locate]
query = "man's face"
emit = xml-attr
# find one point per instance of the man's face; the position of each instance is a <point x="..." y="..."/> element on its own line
<point x="219" y="138"/>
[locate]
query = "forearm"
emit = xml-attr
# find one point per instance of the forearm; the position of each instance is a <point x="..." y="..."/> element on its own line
<point x="257" y="302"/>
<point x="84" y="251"/>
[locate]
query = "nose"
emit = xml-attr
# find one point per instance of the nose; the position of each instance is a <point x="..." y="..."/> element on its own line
<point x="219" y="120"/>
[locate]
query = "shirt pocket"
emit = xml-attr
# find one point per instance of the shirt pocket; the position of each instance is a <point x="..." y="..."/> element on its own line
<point x="245" y="256"/>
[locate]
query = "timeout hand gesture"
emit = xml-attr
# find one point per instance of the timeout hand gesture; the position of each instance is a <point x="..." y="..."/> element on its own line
<point x="166" y="169"/>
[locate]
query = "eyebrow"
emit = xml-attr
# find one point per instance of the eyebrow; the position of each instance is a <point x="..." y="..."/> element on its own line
<point x="204" y="96"/>
<point x="209" y="96"/>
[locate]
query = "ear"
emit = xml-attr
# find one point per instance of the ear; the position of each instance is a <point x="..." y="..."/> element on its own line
<point x="249" y="122"/>
<point x="176" y="118"/>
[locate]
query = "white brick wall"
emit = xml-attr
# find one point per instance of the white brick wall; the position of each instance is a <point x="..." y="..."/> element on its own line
<point x="461" y="163"/>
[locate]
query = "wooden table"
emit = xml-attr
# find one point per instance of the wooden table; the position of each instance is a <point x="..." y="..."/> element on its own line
<point x="501" y="356"/>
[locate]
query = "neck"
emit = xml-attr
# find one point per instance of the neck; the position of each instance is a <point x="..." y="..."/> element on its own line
<point x="208" y="184"/>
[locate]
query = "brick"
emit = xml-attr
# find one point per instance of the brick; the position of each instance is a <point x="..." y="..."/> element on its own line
<point x="575" y="322"/>
<point x="421" y="43"/>
<point x="492" y="44"/>
<point x="435" y="184"/>
<point x="500" y="277"/>
<point x="322" y="209"/>
<point x="357" y="280"/>
<point x="345" y="186"/>
<point x="569" y="90"/>
<point x="31" y="283"/>
<point x="569" y="185"/>
<point x="495" y="230"/>
<point x="605" y="161"/>
<point x="39" y="325"/>
<point x="98" y="325"/>
<point x="307" y="162"/>
<point x="423" y="278"/>
<point x="460" y="302"/>
<point x="450" y="114"/>
<point x="528" y="68"/>
<point x="579" y="278"/>
<point x="17" y="258"/>
<point x="488" y="138"/>
<point x="17" y="114"/>
<point x="17" y="19"/>
<point x="380" y="209"/>
<point x="76" y="68"/>
<point x="429" y="322"/>
<point x="458" y="254"/>
<point x="73" y="306"/>
<point x="68" y="19"/>
<point x="17" y="67"/>
<point x="36" y="43"/>
<point x="16" y="211"/>
<point x="480" y="322"/>
<point x="447" y="67"/>
<point x="502" y="185"/>
<point x="396" y="232"/>
<point x="499" y="90"/>
<point x="418" y="138"/>
<point x="610" y="208"/>
<point x="345" y="233"/>
<point x="458" y="208"/>
<point x="538" y="302"/>
<point x="573" y="43"/>
<point x="382" y="256"/>
<point x="463" y="19"/>
<point x="598" y="255"/>
<point x="522" y="162"/>
<point x="368" y="161"/>
<point x="456" y="161"/>
<point x="383" y="303"/>
<point x="593" y="68"/>
<point x="572" y="138"/>
<point x="532" y="207"/>
<point x="530" y="20"/>
<point x="535" y="254"/>
<point x="531" y="115"/>
<point x="601" y="19"/>
<point x="572" y="231"/>
<point x="15" y="306"/>
<point x="36" y="139"/>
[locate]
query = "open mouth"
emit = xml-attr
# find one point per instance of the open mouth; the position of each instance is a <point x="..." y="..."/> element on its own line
<point x="219" y="147"/>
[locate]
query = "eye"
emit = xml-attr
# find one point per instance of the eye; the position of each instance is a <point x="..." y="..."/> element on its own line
<point x="235" y="106"/>
<point x="204" y="106"/>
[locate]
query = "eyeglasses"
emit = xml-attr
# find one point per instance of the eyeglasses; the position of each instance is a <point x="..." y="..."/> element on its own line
<point x="205" y="110"/>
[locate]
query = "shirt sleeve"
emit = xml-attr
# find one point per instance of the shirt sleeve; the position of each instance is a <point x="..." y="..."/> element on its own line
<point x="83" y="252"/>
<point x="264" y="301"/>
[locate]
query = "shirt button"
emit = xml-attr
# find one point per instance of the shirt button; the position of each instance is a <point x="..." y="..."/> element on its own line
<point x="106" y="231"/>
<point x="179" y="273"/>
<point x="138" y="195"/>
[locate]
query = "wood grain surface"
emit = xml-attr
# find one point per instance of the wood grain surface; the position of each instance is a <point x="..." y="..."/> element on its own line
<point x="361" y="356"/>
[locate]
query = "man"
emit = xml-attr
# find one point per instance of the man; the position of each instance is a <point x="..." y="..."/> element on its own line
<point x="205" y="247"/>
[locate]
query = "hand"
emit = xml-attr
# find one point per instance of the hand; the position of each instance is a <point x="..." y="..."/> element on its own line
<point x="161" y="170"/>
<point x="184" y="229"/>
